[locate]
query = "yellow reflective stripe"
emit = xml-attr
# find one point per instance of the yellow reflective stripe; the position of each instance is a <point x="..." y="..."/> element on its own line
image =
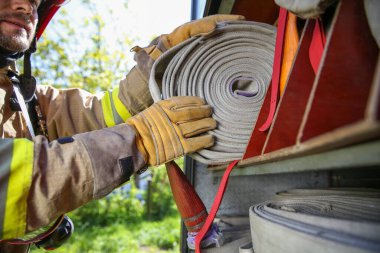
<point x="114" y="110"/>
<point x="120" y="107"/>
<point x="107" y="110"/>
<point x="18" y="188"/>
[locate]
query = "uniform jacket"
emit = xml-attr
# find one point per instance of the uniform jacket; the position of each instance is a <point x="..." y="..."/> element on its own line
<point x="90" y="151"/>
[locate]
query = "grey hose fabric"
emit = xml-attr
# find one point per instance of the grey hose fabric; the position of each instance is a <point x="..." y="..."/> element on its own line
<point x="231" y="69"/>
<point x="333" y="220"/>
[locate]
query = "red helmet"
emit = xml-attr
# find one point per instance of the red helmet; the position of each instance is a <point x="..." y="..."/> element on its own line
<point x="46" y="11"/>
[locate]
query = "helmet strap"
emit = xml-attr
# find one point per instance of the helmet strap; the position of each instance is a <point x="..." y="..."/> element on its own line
<point x="7" y="58"/>
<point x="27" y="81"/>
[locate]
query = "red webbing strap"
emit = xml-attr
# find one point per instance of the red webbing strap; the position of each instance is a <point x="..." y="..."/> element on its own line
<point x="215" y="206"/>
<point x="276" y="68"/>
<point x="317" y="45"/>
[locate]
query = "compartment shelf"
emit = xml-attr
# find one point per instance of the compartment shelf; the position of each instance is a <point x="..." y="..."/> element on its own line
<point x="357" y="156"/>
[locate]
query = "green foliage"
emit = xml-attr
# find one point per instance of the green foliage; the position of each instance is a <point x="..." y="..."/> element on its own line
<point x="153" y="233"/>
<point x="161" y="199"/>
<point x="146" y="237"/>
<point x="67" y="57"/>
<point x="117" y="208"/>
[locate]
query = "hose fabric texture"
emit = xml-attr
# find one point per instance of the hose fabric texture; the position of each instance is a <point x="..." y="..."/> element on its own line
<point x="231" y="69"/>
<point x="331" y="220"/>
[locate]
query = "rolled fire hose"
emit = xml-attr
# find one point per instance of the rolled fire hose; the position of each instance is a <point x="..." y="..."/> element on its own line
<point x="231" y="69"/>
<point x="344" y="221"/>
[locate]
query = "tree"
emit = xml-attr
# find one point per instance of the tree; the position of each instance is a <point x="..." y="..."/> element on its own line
<point x="72" y="57"/>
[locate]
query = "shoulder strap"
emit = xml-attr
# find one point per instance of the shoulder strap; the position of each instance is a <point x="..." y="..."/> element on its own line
<point x="24" y="110"/>
<point x="25" y="100"/>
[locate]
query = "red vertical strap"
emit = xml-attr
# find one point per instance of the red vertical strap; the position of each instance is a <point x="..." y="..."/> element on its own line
<point x="317" y="45"/>
<point x="276" y="68"/>
<point x="215" y="207"/>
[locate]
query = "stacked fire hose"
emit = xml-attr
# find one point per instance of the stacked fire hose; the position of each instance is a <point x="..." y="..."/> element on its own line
<point x="333" y="220"/>
<point x="231" y="69"/>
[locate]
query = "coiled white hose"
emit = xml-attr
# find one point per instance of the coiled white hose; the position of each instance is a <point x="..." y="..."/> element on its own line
<point x="231" y="69"/>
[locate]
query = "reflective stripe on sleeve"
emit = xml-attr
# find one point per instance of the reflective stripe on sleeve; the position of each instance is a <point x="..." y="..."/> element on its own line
<point x="113" y="109"/>
<point x="15" y="179"/>
<point x="120" y="108"/>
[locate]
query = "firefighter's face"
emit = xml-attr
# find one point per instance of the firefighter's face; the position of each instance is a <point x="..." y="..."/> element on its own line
<point x="18" y="21"/>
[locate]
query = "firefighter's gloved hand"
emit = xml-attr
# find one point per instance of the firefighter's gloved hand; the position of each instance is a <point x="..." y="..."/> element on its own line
<point x="171" y="128"/>
<point x="146" y="56"/>
<point x="198" y="27"/>
<point x="201" y="26"/>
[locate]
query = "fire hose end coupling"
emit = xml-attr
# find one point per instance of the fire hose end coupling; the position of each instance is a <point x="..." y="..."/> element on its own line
<point x="213" y="238"/>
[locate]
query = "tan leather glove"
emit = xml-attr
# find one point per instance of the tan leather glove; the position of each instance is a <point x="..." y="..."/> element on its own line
<point x="198" y="27"/>
<point x="171" y="128"/>
<point x="146" y="56"/>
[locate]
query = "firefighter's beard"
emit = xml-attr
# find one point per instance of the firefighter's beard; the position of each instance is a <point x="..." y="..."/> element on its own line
<point x="15" y="43"/>
<point x="18" y="41"/>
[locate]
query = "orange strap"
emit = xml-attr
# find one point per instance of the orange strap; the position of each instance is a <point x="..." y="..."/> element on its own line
<point x="291" y="41"/>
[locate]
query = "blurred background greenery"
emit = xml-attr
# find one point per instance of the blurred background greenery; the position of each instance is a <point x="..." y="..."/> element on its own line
<point x="87" y="45"/>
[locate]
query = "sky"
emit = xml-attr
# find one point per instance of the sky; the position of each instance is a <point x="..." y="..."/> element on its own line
<point x="141" y="21"/>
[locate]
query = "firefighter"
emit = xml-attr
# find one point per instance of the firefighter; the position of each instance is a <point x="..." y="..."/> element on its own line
<point x="62" y="148"/>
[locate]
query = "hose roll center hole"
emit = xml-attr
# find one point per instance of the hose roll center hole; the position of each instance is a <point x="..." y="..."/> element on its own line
<point x="244" y="86"/>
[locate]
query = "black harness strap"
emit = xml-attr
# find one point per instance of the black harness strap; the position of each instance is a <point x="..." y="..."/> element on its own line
<point x="27" y="84"/>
